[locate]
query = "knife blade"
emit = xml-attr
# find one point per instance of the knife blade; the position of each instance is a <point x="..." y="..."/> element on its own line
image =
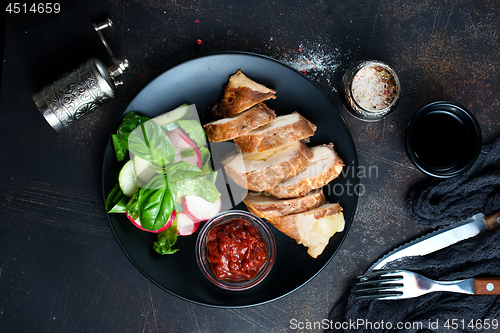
<point x="441" y="238"/>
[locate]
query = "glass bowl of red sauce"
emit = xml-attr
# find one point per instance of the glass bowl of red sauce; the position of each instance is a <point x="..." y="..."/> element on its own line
<point x="235" y="250"/>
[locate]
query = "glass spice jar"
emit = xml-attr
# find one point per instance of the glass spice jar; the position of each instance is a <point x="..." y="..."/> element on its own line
<point x="370" y="90"/>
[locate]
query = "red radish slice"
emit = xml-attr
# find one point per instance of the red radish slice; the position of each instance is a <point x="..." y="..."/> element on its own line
<point x="186" y="225"/>
<point x="137" y="223"/>
<point x="181" y="141"/>
<point x="200" y="209"/>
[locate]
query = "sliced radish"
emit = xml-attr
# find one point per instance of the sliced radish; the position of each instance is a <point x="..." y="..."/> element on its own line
<point x="137" y="223"/>
<point x="181" y="141"/>
<point x="200" y="209"/>
<point x="186" y="225"/>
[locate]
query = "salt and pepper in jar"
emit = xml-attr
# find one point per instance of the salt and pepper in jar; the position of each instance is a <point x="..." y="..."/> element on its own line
<point x="370" y="90"/>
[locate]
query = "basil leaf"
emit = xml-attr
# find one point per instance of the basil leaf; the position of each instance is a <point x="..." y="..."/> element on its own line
<point x="180" y="171"/>
<point x="121" y="206"/>
<point x="199" y="187"/>
<point x="212" y="176"/>
<point x="116" y="200"/>
<point x="132" y="206"/>
<point x="155" y="203"/>
<point x="129" y="122"/>
<point x="205" y="159"/>
<point x="195" y="131"/>
<point x="188" y="152"/>
<point x="170" y="126"/>
<point x="173" y="189"/>
<point x="150" y="142"/>
<point x="166" y="239"/>
<point x="120" y="151"/>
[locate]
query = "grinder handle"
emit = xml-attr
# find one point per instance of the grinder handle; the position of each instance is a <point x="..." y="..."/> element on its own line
<point x="492" y="221"/>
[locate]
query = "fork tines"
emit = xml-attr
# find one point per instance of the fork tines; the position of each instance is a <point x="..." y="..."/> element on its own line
<point x="379" y="285"/>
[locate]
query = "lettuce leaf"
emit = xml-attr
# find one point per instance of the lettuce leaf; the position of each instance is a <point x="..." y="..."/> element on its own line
<point x="166" y="239"/>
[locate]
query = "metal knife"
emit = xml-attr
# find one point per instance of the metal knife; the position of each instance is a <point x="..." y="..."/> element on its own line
<point x="441" y="238"/>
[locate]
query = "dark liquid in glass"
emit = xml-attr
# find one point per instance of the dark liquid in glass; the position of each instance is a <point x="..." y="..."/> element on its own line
<point x="440" y="139"/>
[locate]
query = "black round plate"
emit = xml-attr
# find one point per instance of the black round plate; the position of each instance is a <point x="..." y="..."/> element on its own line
<point x="200" y="81"/>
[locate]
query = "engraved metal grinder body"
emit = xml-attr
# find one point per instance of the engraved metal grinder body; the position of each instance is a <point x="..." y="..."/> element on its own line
<point x="81" y="90"/>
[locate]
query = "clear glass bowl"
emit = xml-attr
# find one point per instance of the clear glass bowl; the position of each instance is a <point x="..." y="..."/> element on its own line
<point x="354" y="106"/>
<point x="265" y="234"/>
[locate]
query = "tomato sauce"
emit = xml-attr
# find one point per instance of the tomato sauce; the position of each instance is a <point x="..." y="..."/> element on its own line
<point x="235" y="251"/>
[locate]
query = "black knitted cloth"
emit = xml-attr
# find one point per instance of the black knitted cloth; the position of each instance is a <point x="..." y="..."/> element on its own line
<point x="435" y="203"/>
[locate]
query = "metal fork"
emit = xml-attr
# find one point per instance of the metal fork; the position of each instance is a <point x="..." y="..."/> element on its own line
<point x="400" y="284"/>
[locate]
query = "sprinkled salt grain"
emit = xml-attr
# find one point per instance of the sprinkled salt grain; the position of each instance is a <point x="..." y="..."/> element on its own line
<point x="314" y="59"/>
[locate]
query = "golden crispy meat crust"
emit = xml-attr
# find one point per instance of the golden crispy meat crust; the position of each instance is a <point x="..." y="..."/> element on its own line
<point x="273" y="175"/>
<point x="269" y="137"/>
<point x="240" y="124"/>
<point x="310" y="183"/>
<point x="288" y="224"/>
<point x="237" y="100"/>
<point x="266" y="206"/>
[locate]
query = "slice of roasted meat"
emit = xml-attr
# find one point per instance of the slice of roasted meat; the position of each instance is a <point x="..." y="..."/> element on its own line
<point x="324" y="166"/>
<point x="266" y="206"/>
<point x="240" y="94"/>
<point x="313" y="228"/>
<point x="279" y="132"/>
<point x="229" y="128"/>
<point x="265" y="170"/>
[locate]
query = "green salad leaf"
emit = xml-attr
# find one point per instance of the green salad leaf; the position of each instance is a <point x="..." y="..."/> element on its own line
<point x="116" y="202"/>
<point x="166" y="239"/>
<point x="181" y="170"/>
<point x="195" y="131"/>
<point x="155" y="203"/>
<point x="132" y="206"/>
<point x="188" y="152"/>
<point x="129" y="123"/>
<point x="201" y="186"/>
<point x="205" y="160"/>
<point x="150" y="142"/>
<point x="120" y="150"/>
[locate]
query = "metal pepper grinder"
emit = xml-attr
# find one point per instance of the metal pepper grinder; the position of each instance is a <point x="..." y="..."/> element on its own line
<point x="82" y="90"/>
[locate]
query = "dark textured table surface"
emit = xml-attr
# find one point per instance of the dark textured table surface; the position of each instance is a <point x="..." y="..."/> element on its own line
<point x="61" y="269"/>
